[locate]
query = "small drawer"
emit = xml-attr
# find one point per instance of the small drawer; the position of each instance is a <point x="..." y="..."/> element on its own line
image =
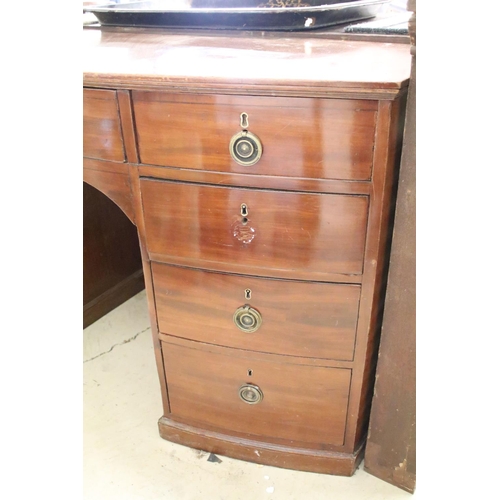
<point x="230" y="390"/>
<point x="300" y="137"/>
<point x="252" y="231"/>
<point x="316" y="320"/>
<point x="102" y="137"/>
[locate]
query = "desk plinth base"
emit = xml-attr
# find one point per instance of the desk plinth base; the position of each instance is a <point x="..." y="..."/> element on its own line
<point x="308" y="460"/>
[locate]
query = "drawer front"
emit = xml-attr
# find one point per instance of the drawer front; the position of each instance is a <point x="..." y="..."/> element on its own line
<point x="294" y="318"/>
<point x="300" y="402"/>
<point x="295" y="234"/>
<point x="102" y="137"/>
<point x="310" y="138"/>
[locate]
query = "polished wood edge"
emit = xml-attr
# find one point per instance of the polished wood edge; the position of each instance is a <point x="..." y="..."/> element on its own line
<point x="115" y="167"/>
<point x="391" y="156"/>
<point x="113" y="297"/>
<point x="388" y="124"/>
<point x="310" y="460"/>
<point x="106" y="181"/>
<point x="92" y="158"/>
<point x="296" y="103"/>
<point x="258" y="272"/>
<point x="257" y="181"/>
<point x="272" y="278"/>
<point x="256" y="355"/>
<point x="99" y="94"/>
<point x="162" y="376"/>
<point x="127" y="123"/>
<point x="330" y="90"/>
<point x="148" y="282"/>
<point x="324" y="34"/>
<point x="268" y="440"/>
<point x="135" y="187"/>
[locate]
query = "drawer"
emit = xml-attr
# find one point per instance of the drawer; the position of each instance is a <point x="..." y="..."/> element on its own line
<point x="309" y="138"/>
<point x="302" y="403"/>
<point x="102" y="137"/>
<point x="294" y="318"/>
<point x="283" y="233"/>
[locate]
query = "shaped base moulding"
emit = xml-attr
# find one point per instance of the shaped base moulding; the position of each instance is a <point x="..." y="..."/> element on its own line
<point x="307" y="460"/>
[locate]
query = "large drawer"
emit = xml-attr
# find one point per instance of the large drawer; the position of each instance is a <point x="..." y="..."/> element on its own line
<point x="309" y="138"/>
<point x="102" y="137"/>
<point x="301" y="403"/>
<point x="282" y="234"/>
<point x="315" y="320"/>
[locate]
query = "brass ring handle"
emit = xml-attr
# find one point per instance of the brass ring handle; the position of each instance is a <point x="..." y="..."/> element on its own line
<point x="250" y="394"/>
<point x="247" y="319"/>
<point x="245" y="148"/>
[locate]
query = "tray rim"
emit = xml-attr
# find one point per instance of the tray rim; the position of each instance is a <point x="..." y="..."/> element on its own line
<point x="235" y="10"/>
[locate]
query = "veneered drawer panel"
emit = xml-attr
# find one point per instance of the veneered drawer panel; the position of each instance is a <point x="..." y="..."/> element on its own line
<point x="300" y="402"/>
<point x="314" y="234"/>
<point x="311" y="138"/>
<point x="102" y="137"/>
<point x="298" y="318"/>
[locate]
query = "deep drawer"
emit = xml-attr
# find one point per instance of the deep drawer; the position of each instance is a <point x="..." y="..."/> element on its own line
<point x="283" y="234"/>
<point x="102" y="137"/>
<point x="302" y="403"/>
<point x="309" y="138"/>
<point x="315" y="320"/>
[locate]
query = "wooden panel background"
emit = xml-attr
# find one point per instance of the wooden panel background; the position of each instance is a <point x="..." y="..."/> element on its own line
<point x="112" y="268"/>
<point x="391" y="445"/>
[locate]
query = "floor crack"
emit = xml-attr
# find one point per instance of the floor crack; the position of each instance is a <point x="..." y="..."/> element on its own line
<point x="121" y="343"/>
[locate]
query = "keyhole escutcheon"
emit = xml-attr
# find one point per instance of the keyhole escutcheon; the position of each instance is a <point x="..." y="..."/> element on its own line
<point x="244" y="120"/>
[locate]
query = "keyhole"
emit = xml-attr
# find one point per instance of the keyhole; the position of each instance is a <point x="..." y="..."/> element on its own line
<point x="244" y="210"/>
<point x="250" y="373"/>
<point x="248" y="294"/>
<point x="244" y="120"/>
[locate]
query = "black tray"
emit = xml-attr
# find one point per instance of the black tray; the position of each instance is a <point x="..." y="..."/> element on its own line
<point x="278" y="15"/>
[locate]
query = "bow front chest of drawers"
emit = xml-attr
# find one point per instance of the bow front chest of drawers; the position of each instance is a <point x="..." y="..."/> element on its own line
<point x="259" y="171"/>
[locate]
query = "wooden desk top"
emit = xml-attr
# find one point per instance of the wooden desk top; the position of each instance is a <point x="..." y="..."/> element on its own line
<point x="215" y="62"/>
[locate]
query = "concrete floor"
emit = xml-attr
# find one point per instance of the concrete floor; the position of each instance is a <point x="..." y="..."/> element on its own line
<point x="124" y="457"/>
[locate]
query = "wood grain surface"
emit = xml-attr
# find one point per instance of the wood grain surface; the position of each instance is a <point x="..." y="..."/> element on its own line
<point x="307" y="138"/>
<point x="244" y="65"/>
<point x="113" y="180"/>
<point x="102" y="136"/>
<point x="303" y="403"/>
<point x="386" y="160"/>
<point x="319" y="215"/>
<point x="298" y="319"/>
<point x="297" y="233"/>
<point x="256" y="181"/>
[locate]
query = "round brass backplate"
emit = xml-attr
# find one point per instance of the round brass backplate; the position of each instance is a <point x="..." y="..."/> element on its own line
<point x="245" y="148"/>
<point x="247" y="319"/>
<point x="250" y="394"/>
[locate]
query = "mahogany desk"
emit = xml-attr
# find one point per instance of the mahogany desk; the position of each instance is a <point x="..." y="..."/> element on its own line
<point x="260" y="173"/>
